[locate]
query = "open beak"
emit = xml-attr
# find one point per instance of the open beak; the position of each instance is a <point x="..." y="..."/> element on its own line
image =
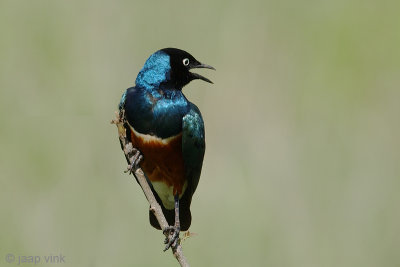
<point x="198" y="76"/>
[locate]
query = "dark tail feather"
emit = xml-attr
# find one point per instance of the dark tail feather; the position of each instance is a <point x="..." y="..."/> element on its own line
<point x="185" y="218"/>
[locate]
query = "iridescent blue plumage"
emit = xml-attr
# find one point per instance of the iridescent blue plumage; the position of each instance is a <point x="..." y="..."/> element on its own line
<point x="156" y="113"/>
<point x="167" y="129"/>
<point x="155" y="71"/>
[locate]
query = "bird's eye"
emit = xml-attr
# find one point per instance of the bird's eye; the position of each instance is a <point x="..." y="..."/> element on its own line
<point x="185" y="61"/>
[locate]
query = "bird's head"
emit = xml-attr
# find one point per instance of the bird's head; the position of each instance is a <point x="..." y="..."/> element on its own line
<point x="170" y="68"/>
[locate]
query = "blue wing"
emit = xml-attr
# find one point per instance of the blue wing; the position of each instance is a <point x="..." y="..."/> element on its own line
<point x="193" y="146"/>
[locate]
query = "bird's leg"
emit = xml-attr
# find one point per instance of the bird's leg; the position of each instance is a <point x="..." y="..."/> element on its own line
<point x="134" y="156"/>
<point x="172" y="240"/>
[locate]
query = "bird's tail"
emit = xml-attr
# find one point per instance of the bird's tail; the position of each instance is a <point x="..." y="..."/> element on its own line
<point x="185" y="218"/>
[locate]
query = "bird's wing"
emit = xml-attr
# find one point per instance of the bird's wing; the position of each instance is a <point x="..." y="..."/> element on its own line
<point x="193" y="146"/>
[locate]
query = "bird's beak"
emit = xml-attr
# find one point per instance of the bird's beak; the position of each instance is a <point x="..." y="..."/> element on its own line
<point x="198" y="76"/>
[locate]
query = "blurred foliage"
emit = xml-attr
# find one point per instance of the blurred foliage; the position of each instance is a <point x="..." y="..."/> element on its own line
<point x="302" y="127"/>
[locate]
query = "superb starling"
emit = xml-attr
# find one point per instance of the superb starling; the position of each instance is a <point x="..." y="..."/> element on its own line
<point x="168" y="130"/>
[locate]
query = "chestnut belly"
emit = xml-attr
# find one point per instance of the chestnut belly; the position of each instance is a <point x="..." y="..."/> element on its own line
<point x="162" y="164"/>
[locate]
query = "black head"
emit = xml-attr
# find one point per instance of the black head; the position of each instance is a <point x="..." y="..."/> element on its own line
<point x="181" y="62"/>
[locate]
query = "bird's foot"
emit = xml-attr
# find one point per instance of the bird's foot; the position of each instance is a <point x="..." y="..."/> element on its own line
<point x="135" y="157"/>
<point x="172" y="239"/>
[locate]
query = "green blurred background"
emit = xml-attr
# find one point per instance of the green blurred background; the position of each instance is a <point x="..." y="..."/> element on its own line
<point x="302" y="129"/>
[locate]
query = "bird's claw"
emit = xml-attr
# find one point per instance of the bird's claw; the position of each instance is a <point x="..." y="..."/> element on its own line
<point x="135" y="157"/>
<point x="172" y="239"/>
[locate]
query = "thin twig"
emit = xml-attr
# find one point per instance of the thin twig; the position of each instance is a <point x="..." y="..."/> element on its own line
<point x="138" y="173"/>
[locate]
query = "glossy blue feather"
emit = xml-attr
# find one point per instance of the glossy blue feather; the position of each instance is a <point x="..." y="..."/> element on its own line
<point x="150" y="112"/>
<point x="155" y="71"/>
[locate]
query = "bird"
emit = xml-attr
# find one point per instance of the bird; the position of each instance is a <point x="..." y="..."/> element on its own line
<point x="168" y="131"/>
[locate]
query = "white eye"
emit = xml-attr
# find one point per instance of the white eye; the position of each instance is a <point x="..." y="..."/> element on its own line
<point x="185" y="61"/>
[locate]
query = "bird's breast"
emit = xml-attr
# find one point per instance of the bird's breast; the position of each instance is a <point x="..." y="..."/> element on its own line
<point x="155" y="112"/>
<point x="162" y="163"/>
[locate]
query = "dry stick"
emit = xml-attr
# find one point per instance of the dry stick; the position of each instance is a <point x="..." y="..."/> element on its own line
<point x="154" y="206"/>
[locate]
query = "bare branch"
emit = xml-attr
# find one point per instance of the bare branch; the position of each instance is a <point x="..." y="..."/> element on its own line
<point x="138" y="173"/>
